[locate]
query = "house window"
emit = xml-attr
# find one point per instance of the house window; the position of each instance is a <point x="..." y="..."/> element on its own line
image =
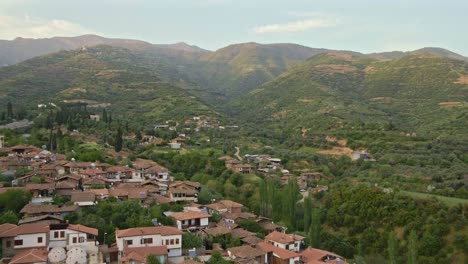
<point x="81" y="239"/>
<point x="128" y="242"/>
<point x="177" y="241"/>
<point x="172" y="241"/>
<point x="62" y="234"/>
<point x="74" y="240"/>
<point x="167" y="241"/>
<point x="147" y="241"/>
<point x="19" y="242"/>
<point x="39" y="240"/>
<point x="56" y="234"/>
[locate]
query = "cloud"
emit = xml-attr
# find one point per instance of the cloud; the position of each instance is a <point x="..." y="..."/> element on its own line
<point x="29" y="27"/>
<point x="297" y="26"/>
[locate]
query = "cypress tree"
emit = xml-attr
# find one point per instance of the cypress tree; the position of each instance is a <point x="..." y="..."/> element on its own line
<point x="315" y="228"/>
<point x="392" y="247"/>
<point x="412" y="248"/>
<point x="9" y="110"/>
<point x="118" y="140"/>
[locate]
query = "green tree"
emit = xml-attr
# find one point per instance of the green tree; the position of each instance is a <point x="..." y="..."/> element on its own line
<point x="118" y="140"/>
<point x="9" y="217"/>
<point x="217" y="258"/>
<point x="392" y="247"/>
<point x="191" y="240"/>
<point x="315" y="229"/>
<point x="412" y="248"/>
<point x="9" y="110"/>
<point x="152" y="259"/>
<point x="14" y="200"/>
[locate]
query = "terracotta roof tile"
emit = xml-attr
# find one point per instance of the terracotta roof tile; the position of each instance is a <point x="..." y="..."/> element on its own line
<point x="84" y="229"/>
<point x="181" y="216"/>
<point x="30" y="256"/>
<point x="35" y="228"/>
<point x="281" y="253"/>
<point x="141" y="231"/>
<point x="318" y="256"/>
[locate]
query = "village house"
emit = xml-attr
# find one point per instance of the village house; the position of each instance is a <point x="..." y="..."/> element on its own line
<point x="139" y="255"/>
<point x="119" y="173"/>
<point x="30" y="209"/>
<point x="157" y="172"/>
<point x="224" y="206"/>
<point x="22" y="237"/>
<point x="67" y="235"/>
<point x="190" y="220"/>
<point x="169" y="237"/>
<point x="83" y="198"/>
<point x="247" y="254"/>
<point x="49" y="219"/>
<point x="95" y="182"/>
<point x="285" y="241"/>
<point x="184" y="191"/>
<point x="278" y="255"/>
<point x="318" y="256"/>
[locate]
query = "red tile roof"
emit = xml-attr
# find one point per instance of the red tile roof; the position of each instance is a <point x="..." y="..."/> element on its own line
<point x="279" y="252"/>
<point x="30" y="256"/>
<point x="181" y="216"/>
<point x="84" y="229"/>
<point x="283" y="238"/>
<point x="142" y="231"/>
<point x="36" y="228"/>
<point x="141" y="253"/>
<point x="318" y="256"/>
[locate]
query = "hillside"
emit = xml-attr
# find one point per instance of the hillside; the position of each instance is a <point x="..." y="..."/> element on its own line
<point x="427" y="50"/>
<point x="330" y="92"/>
<point x="100" y="76"/>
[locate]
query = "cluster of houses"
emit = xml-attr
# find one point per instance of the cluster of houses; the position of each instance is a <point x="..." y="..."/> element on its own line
<point x="43" y="236"/>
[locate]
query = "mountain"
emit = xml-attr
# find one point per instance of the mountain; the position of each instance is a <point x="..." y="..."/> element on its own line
<point x="21" y="49"/>
<point x="428" y="50"/>
<point x="100" y="76"/>
<point x="335" y="91"/>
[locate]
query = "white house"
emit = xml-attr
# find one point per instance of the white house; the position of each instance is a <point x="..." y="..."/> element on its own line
<point x="25" y="237"/>
<point x="155" y="236"/>
<point x="290" y="242"/>
<point x="191" y="220"/>
<point x="67" y="235"/>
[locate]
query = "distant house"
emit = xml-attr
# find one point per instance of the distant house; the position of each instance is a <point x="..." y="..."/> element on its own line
<point x="68" y="235"/>
<point x="144" y="237"/>
<point x="360" y="155"/>
<point x="139" y="255"/>
<point x="190" y="220"/>
<point x="22" y="237"/>
<point x="224" y="206"/>
<point x="247" y="254"/>
<point x="30" y="209"/>
<point x="184" y="191"/>
<point x="119" y="172"/>
<point x="279" y="255"/>
<point x="285" y="241"/>
<point x="83" y="198"/>
<point x="94" y="117"/>
<point x="318" y="256"/>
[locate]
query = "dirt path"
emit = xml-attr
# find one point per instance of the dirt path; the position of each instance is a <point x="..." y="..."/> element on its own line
<point x="237" y="153"/>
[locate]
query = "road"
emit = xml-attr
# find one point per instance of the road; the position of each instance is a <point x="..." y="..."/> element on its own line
<point x="237" y="154"/>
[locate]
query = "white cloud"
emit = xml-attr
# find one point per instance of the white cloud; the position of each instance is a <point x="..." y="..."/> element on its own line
<point x="29" y="27"/>
<point x="297" y="26"/>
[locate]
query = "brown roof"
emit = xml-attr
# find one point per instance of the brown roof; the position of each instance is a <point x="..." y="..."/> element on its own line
<point x="217" y="231"/>
<point x="47" y="208"/>
<point x="143" y="164"/>
<point x="181" y="216"/>
<point x="30" y="256"/>
<point x="283" y="238"/>
<point x="84" y="229"/>
<point x="41" y="218"/>
<point x="251" y="240"/>
<point x="34" y="228"/>
<point x="318" y="256"/>
<point x="94" y="181"/>
<point x="235" y="216"/>
<point x="131" y="193"/>
<point x="158" y="199"/>
<point x="121" y="169"/>
<point x="140" y="254"/>
<point x="241" y="233"/>
<point x="190" y="261"/>
<point x="246" y="252"/>
<point x="40" y="186"/>
<point x="99" y="192"/>
<point x="153" y="230"/>
<point x="281" y="253"/>
<point x="157" y="169"/>
<point x="92" y="172"/>
<point x="65" y="185"/>
<point x="83" y="196"/>
<point x="6" y="227"/>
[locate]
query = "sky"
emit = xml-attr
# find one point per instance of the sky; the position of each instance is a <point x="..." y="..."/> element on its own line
<point x="358" y="25"/>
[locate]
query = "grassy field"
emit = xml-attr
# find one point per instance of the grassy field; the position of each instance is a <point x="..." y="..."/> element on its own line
<point x="450" y="201"/>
